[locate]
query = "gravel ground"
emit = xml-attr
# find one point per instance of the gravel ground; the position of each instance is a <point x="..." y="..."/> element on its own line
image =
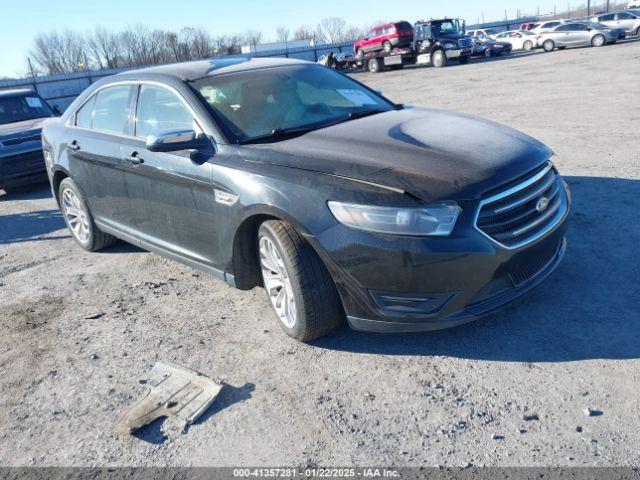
<point x="508" y="390"/>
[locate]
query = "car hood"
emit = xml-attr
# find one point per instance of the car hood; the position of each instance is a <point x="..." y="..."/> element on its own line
<point x="428" y="153"/>
<point x="18" y="128"/>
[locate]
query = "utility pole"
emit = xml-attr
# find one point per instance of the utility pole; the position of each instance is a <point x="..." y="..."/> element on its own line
<point x="588" y="8"/>
<point x="608" y="5"/>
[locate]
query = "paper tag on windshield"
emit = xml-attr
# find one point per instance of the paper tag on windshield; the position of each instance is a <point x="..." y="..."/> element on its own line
<point x="357" y="97"/>
<point x="33" y="102"/>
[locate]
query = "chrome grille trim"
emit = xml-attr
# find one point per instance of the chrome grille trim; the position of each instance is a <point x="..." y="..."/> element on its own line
<point x="514" y="222"/>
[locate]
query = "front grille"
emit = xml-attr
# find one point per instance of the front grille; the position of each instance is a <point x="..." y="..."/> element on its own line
<point x="465" y="42"/>
<point x="10" y="142"/>
<point x="536" y="266"/>
<point x="522" y="212"/>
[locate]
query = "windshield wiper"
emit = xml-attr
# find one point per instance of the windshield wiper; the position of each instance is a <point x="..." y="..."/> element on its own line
<point x="281" y="132"/>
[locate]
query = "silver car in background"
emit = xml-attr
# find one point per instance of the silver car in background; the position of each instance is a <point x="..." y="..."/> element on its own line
<point x="628" y="21"/>
<point x="576" y="34"/>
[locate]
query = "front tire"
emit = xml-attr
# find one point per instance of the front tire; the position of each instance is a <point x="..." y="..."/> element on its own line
<point x="598" y="41"/>
<point x="298" y="284"/>
<point x="386" y="46"/>
<point x="438" y="59"/>
<point x="528" y="45"/>
<point x="74" y="208"/>
<point x="549" y="46"/>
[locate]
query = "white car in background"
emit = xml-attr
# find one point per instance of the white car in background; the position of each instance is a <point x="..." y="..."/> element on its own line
<point x="633" y="4"/>
<point x="519" y="39"/>
<point x="482" y="33"/>
<point x="546" y="26"/>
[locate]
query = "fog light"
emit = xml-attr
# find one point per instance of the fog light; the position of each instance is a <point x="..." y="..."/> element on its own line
<point x="412" y="303"/>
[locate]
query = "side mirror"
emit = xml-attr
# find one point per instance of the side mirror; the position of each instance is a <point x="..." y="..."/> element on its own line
<point x="177" y="140"/>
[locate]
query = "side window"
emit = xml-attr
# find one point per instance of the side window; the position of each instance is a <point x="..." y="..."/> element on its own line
<point x="624" y="16"/>
<point x="389" y="30"/>
<point x="85" y="114"/>
<point x="112" y="108"/>
<point x="606" y="18"/>
<point x="160" y="111"/>
<point x="565" y="28"/>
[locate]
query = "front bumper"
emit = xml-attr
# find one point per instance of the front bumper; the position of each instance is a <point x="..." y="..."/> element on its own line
<point x="22" y="169"/>
<point x="468" y="275"/>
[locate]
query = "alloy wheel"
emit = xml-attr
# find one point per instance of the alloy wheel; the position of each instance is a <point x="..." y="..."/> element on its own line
<point x="277" y="282"/>
<point x="75" y="215"/>
<point x="598" y="41"/>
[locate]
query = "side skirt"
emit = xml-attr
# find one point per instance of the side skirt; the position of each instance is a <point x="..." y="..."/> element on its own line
<point x="219" y="274"/>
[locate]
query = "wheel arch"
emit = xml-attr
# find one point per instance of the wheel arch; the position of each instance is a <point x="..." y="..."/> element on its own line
<point x="244" y="261"/>
<point x="59" y="174"/>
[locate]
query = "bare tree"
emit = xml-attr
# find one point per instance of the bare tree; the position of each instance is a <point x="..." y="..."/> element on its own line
<point x="252" y="37"/>
<point x="282" y="34"/>
<point x="105" y="49"/>
<point x="56" y="52"/>
<point x="227" y="44"/>
<point x="303" y="32"/>
<point x="331" y="30"/>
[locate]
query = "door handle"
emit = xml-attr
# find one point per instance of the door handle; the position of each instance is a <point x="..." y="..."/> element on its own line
<point x="74" y="145"/>
<point x="134" y="158"/>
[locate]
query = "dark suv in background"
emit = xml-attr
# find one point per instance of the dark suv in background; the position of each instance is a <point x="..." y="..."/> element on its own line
<point x="22" y="113"/>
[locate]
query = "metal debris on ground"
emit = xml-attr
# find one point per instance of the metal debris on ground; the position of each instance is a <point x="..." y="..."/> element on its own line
<point x="174" y="391"/>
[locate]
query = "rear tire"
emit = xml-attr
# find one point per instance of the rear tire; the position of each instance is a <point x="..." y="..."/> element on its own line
<point x="374" y="65"/>
<point x="307" y="290"/>
<point x="438" y="59"/>
<point x="549" y="46"/>
<point x="75" y="210"/>
<point x="598" y="41"/>
<point x="386" y="46"/>
<point x="528" y="45"/>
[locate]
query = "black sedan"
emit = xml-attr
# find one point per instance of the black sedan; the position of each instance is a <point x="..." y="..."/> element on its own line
<point x="486" y="47"/>
<point x="288" y="175"/>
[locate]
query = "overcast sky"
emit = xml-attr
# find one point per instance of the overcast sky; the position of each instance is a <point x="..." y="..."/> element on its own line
<point x="23" y="19"/>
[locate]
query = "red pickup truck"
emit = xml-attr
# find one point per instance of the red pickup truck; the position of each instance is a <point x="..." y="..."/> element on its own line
<point x="385" y="37"/>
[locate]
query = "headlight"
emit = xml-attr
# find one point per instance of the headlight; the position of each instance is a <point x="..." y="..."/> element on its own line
<point x="435" y="220"/>
<point x="450" y="46"/>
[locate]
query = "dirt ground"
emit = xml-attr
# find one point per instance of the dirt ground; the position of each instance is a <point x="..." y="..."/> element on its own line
<point x="508" y="390"/>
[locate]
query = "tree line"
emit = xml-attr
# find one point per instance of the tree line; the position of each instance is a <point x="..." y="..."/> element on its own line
<point x="67" y="51"/>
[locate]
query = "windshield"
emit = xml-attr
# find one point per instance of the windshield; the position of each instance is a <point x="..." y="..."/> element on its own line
<point x="17" y="108"/>
<point x="259" y="103"/>
<point x="445" y="26"/>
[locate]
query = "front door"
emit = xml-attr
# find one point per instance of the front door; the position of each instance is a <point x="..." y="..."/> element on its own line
<point x="171" y="192"/>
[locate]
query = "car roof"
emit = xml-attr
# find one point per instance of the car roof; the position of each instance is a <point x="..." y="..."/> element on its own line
<point x="17" y="91"/>
<point x="188" y="71"/>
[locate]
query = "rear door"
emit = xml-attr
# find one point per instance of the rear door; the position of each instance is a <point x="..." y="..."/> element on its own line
<point x="563" y="36"/>
<point x="608" y="20"/>
<point x="171" y="192"/>
<point x="93" y="145"/>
